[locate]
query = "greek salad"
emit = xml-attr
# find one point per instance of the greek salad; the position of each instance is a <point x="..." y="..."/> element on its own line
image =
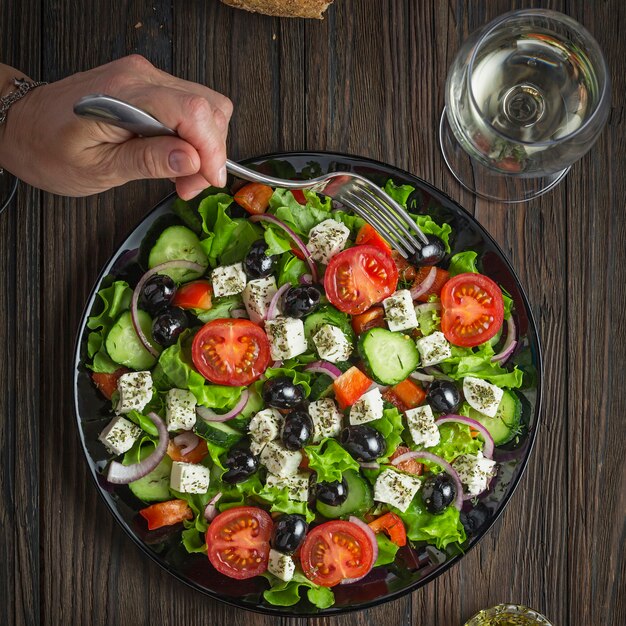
<point x="296" y="400"/>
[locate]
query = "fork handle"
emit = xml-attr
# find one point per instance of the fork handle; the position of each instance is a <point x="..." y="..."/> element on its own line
<point x="115" y="112"/>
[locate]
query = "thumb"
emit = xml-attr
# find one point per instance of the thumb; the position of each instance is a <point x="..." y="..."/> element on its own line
<point x="156" y="157"/>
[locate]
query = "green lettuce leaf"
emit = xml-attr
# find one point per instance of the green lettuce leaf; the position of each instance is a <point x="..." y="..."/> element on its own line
<point x="300" y="218"/>
<point x="299" y="378"/>
<point x="220" y="309"/>
<point x="508" y="303"/>
<point x="455" y="439"/>
<point x="440" y="530"/>
<point x="197" y="503"/>
<point x="115" y="299"/>
<point x="329" y="460"/>
<point x="391" y="427"/>
<point x="463" y="262"/>
<point x="193" y="541"/>
<point x="210" y="208"/>
<point x="283" y="593"/>
<point x="351" y="221"/>
<point x="218" y="226"/>
<point x="276" y="240"/>
<point x="386" y="550"/>
<point x="237" y="494"/>
<point x="400" y="193"/>
<point x="290" y="268"/>
<point x="242" y="238"/>
<point x="430" y="227"/>
<point x="281" y="503"/>
<point x="176" y="364"/>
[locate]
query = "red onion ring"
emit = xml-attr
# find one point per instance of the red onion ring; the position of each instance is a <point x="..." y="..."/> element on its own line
<point x="119" y="474"/>
<point x="429" y="456"/>
<point x="425" y="285"/>
<point x="238" y="313"/>
<point x="209" y="415"/>
<point x="299" y="243"/>
<point x="324" y="367"/>
<point x="372" y="537"/>
<point x="276" y="364"/>
<point x="187" y="441"/>
<point x="210" y="511"/>
<point x="272" y="309"/>
<point x="306" y="279"/>
<point x="176" y="264"/>
<point x="509" y="344"/>
<point x="426" y="378"/>
<point x="427" y="306"/>
<point x="370" y="465"/>
<point x="468" y="421"/>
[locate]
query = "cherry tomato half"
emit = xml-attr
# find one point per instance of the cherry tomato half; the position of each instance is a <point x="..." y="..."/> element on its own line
<point x="238" y="542"/>
<point x="359" y="277"/>
<point x="194" y="295"/>
<point x="472" y="309"/>
<point x="336" y="550"/>
<point x="254" y="198"/>
<point x="231" y="352"/>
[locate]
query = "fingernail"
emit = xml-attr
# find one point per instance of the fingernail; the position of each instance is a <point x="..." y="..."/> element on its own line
<point x="221" y="177"/>
<point x="193" y="194"/>
<point x="180" y="162"/>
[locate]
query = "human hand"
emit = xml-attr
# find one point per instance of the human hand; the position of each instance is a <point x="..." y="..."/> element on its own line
<point x="43" y="143"/>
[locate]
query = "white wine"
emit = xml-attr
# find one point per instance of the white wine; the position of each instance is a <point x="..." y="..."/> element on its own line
<point x="520" y="98"/>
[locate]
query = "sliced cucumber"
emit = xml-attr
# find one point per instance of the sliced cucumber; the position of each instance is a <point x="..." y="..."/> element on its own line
<point x="506" y="424"/>
<point x="390" y="357"/>
<point x="358" y="501"/>
<point x="155" y="486"/>
<point x="178" y="243"/>
<point x="124" y="346"/>
<point x="218" y="433"/>
<point x="254" y="405"/>
<point x="327" y="314"/>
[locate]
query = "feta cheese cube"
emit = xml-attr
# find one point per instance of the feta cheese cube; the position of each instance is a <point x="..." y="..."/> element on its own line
<point x="367" y="408"/>
<point x="332" y="344"/>
<point x="189" y="477"/>
<point x="280" y="461"/>
<point x="399" y="311"/>
<point x="297" y="485"/>
<point x="228" y="280"/>
<point x="327" y="239"/>
<point x="433" y="349"/>
<point x="281" y="565"/>
<point x="482" y="396"/>
<point x="422" y="427"/>
<point x="264" y="427"/>
<point x="327" y="419"/>
<point x="257" y="297"/>
<point x="475" y="472"/>
<point x="135" y="391"/>
<point x="286" y="335"/>
<point x="396" y="489"/>
<point x="119" y="435"/>
<point x="180" y="409"/>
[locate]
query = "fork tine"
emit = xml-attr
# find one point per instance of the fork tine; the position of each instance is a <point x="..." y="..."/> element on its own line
<point x="392" y="238"/>
<point x="398" y="209"/>
<point x="365" y="195"/>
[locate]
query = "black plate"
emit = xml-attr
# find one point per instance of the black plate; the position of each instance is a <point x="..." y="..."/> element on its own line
<point x="413" y="567"/>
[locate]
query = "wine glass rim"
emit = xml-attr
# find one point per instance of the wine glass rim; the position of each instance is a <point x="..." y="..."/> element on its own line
<point x="574" y="25"/>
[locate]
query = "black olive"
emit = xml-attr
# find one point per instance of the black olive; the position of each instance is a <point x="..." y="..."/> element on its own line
<point x="431" y="253"/>
<point x="289" y="533"/>
<point x="444" y="396"/>
<point x="475" y="518"/>
<point x="257" y="263"/>
<point x="167" y="325"/>
<point x="297" y="430"/>
<point x="282" y="393"/>
<point x="240" y="464"/>
<point x="438" y="492"/>
<point x="363" y="442"/>
<point x="333" y="494"/>
<point x="301" y="300"/>
<point x="157" y="293"/>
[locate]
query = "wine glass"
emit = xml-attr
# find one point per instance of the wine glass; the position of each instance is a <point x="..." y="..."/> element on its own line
<point x="526" y="96"/>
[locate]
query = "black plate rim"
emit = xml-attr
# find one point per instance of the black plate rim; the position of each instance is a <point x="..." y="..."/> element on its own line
<point x="391" y="596"/>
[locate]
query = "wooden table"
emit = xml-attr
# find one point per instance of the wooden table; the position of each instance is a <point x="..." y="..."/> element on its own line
<point x="367" y="80"/>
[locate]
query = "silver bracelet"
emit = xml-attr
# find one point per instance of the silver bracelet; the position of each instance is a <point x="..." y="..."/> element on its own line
<point x="23" y="87"/>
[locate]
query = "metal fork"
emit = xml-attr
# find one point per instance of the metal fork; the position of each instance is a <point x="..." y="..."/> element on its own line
<point x="354" y="191"/>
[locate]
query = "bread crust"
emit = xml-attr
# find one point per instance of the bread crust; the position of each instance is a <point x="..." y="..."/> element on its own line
<point x="283" y="8"/>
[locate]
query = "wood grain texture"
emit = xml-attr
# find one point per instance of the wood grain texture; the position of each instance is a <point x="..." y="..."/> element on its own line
<point x="369" y="80"/>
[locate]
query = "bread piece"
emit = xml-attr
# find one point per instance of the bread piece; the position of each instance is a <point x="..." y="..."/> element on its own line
<point x="283" y="8"/>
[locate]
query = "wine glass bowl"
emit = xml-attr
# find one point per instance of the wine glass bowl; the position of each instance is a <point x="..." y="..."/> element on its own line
<point x="526" y="96"/>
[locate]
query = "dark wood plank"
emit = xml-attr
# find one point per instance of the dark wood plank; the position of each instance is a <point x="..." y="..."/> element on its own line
<point x="20" y="369"/>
